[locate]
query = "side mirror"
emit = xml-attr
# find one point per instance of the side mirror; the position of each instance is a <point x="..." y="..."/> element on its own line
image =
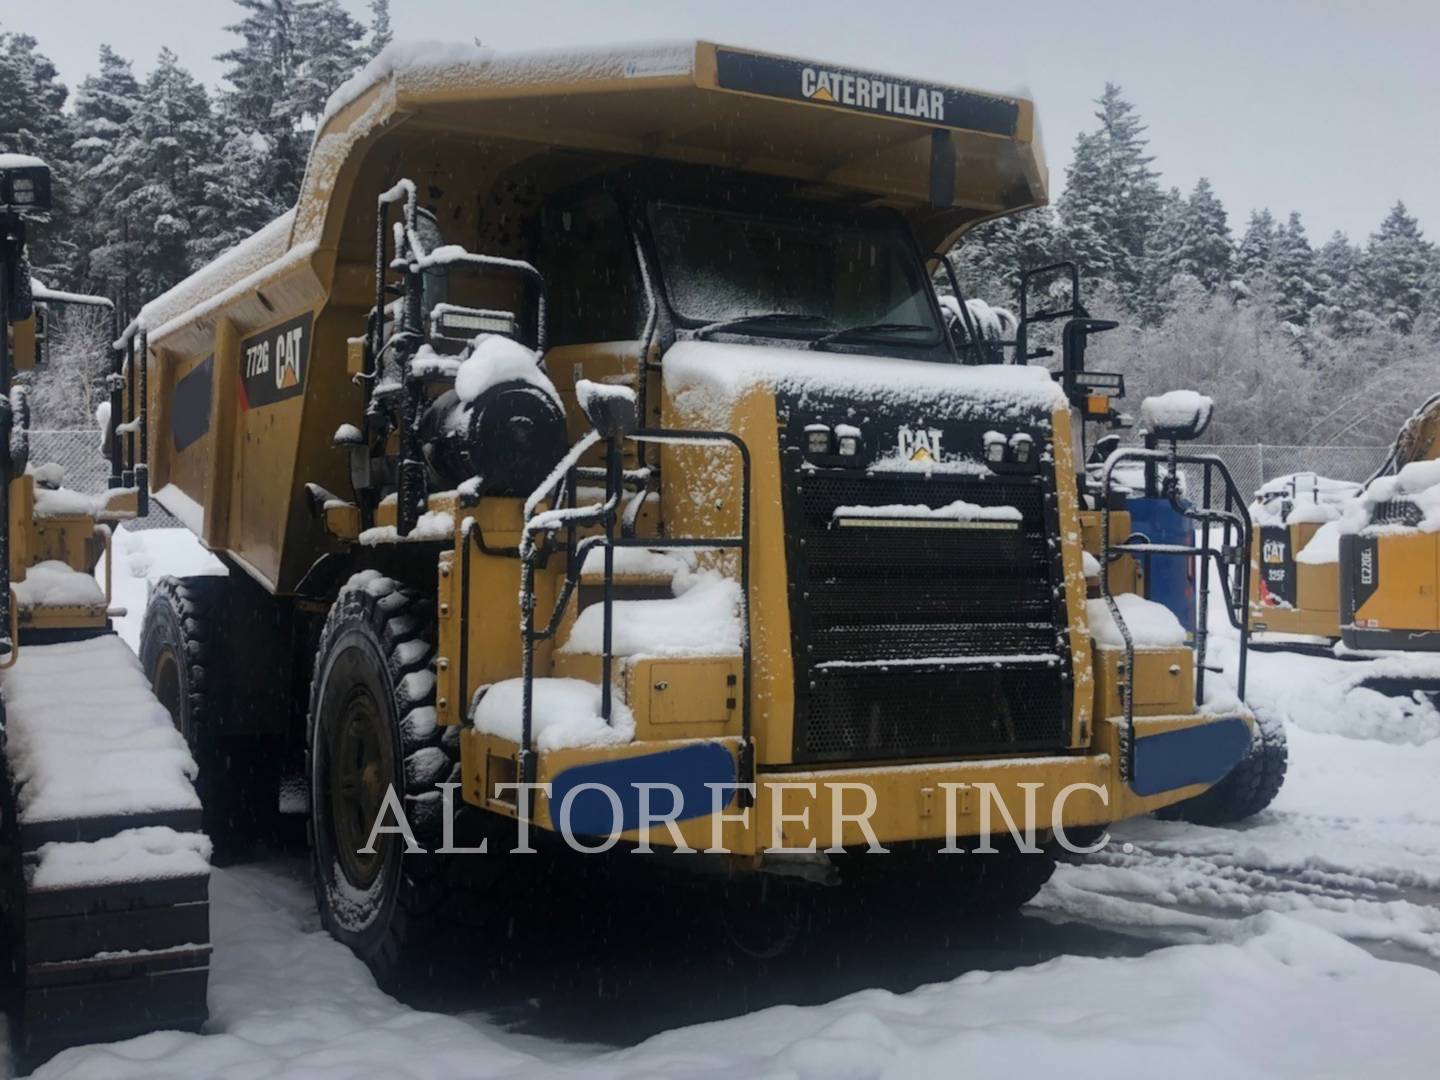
<point x="1179" y="416"/>
<point x="611" y="410"/>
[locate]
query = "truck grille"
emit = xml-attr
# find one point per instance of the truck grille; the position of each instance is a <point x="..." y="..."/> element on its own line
<point x="925" y="641"/>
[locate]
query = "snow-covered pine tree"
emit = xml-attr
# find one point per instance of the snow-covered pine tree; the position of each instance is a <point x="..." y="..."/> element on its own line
<point x="1206" y="251"/>
<point x="157" y="165"/>
<point x="380" y="33"/>
<point x="1292" y="273"/>
<point x="1401" y="265"/>
<point x="1345" y="306"/>
<point x="1112" y="196"/>
<point x="990" y="258"/>
<point x="31" y="122"/>
<point x="328" y="52"/>
<point x="1164" y="252"/>
<point x="1257" y="246"/>
<point x="104" y="104"/>
<point x="235" y="203"/>
<point x="261" y="74"/>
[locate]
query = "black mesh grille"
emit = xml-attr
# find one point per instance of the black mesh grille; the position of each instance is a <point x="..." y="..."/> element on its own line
<point x="916" y="642"/>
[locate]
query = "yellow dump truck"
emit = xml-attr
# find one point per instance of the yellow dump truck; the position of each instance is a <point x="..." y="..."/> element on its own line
<point x="589" y="447"/>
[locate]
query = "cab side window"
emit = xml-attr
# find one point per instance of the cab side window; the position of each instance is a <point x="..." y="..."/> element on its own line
<point x="589" y="264"/>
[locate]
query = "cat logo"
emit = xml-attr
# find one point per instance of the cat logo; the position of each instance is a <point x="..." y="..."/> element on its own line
<point x="287" y="359"/>
<point x="1274" y="551"/>
<point x="919" y="444"/>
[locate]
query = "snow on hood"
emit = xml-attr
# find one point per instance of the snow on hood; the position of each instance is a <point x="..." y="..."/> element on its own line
<point x="1418" y="482"/>
<point x="708" y="377"/>
<point x="1314" y="499"/>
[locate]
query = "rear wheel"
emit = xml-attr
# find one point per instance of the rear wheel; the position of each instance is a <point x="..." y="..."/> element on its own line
<point x="181" y="653"/>
<point x="1247" y="789"/>
<point x="371" y="732"/>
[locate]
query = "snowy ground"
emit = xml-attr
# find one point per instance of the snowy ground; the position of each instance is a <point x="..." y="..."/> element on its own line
<point x="1304" y="943"/>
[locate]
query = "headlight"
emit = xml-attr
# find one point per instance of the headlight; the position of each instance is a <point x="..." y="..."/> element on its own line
<point x="847" y="440"/>
<point x="1021" y="446"/>
<point x="817" y="439"/>
<point x="994" y="446"/>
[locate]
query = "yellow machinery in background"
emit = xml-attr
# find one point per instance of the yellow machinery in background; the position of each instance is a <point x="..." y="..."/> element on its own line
<point x="104" y="874"/>
<point x="1295" y="588"/>
<point x="1390" y="559"/>
<point x="592" y="425"/>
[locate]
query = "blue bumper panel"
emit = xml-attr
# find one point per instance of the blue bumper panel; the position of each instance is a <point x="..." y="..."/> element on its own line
<point x="689" y="768"/>
<point x="1202" y="754"/>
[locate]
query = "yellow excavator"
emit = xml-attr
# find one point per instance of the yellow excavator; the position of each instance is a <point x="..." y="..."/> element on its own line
<point x="1390" y="564"/>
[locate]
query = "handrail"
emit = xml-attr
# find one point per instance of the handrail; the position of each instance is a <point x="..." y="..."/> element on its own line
<point x="1235" y="515"/>
<point x="604" y="514"/>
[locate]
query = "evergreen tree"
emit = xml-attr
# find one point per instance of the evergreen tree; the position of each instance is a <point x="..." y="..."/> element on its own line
<point x="31" y="122"/>
<point x="1164" y="250"/>
<point x="104" y="104"/>
<point x="1205" y="252"/>
<point x="157" y="168"/>
<point x="1112" y="198"/>
<point x="235" y="202"/>
<point x="1252" y="257"/>
<point x="992" y="256"/>
<point x="328" y="43"/>
<point x="261" y="74"/>
<point x="1292" y="273"/>
<point x="380" y="34"/>
<point x="1401" y="265"/>
<point x="1345" y="300"/>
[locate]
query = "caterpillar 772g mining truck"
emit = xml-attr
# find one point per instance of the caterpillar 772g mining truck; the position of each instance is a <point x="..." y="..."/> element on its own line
<point x="104" y="868"/>
<point x="593" y="423"/>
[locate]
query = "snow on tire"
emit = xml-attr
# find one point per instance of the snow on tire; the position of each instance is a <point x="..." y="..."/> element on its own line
<point x="371" y="731"/>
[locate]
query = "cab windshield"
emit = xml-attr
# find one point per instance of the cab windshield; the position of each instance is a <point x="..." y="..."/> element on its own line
<point x="769" y="276"/>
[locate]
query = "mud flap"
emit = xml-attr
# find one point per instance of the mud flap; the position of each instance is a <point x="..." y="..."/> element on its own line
<point x="1202" y="754"/>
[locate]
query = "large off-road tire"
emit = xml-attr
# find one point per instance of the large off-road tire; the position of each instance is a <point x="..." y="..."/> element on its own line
<point x="1247" y="789"/>
<point x="183" y="655"/>
<point x="372" y="727"/>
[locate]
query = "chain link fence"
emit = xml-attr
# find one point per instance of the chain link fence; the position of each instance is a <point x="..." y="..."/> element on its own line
<point x="1254" y="465"/>
<point x="77" y="452"/>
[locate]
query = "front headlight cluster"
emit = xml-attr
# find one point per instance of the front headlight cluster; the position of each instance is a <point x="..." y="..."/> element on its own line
<point x="823" y="441"/>
<point x="1019" y="448"/>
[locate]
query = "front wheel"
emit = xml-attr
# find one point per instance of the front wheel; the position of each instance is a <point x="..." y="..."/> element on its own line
<point x="372" y="741"/>
<point x="1246" y="789"/>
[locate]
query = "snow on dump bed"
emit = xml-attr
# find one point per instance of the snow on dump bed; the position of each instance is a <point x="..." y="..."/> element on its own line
<point x="86" y="737"/>
<point x="1151" y="625"/>
<point x="146" y="854"/>
<point x="565" y="713"/>
<point x="959" y="510"/>
<point x="56" y="584"/>
<point x="703" y="620"/>
<point x="219" y="278"/>
<point x="707" y="377"/>
<point x="433" y="65"/>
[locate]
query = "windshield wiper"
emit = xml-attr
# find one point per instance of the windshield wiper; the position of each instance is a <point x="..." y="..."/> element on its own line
<point x="746" y="320"/>
<point x="864" y="329"/>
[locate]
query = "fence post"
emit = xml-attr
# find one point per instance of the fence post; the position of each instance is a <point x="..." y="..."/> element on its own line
<point x="1260" y="451"/>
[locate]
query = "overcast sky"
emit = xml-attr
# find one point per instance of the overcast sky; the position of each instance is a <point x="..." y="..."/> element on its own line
<point x="1330" y="108"/>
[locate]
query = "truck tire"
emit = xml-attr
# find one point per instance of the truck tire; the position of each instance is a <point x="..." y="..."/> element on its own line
<point x="371" y="730"/>
<point x="182" y="656"/>
<point x="1247" y="789"/>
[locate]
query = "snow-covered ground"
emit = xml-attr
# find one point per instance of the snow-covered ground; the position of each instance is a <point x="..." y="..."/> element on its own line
<point x="144" y="556"/>
<point x="1305" y="942"/>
